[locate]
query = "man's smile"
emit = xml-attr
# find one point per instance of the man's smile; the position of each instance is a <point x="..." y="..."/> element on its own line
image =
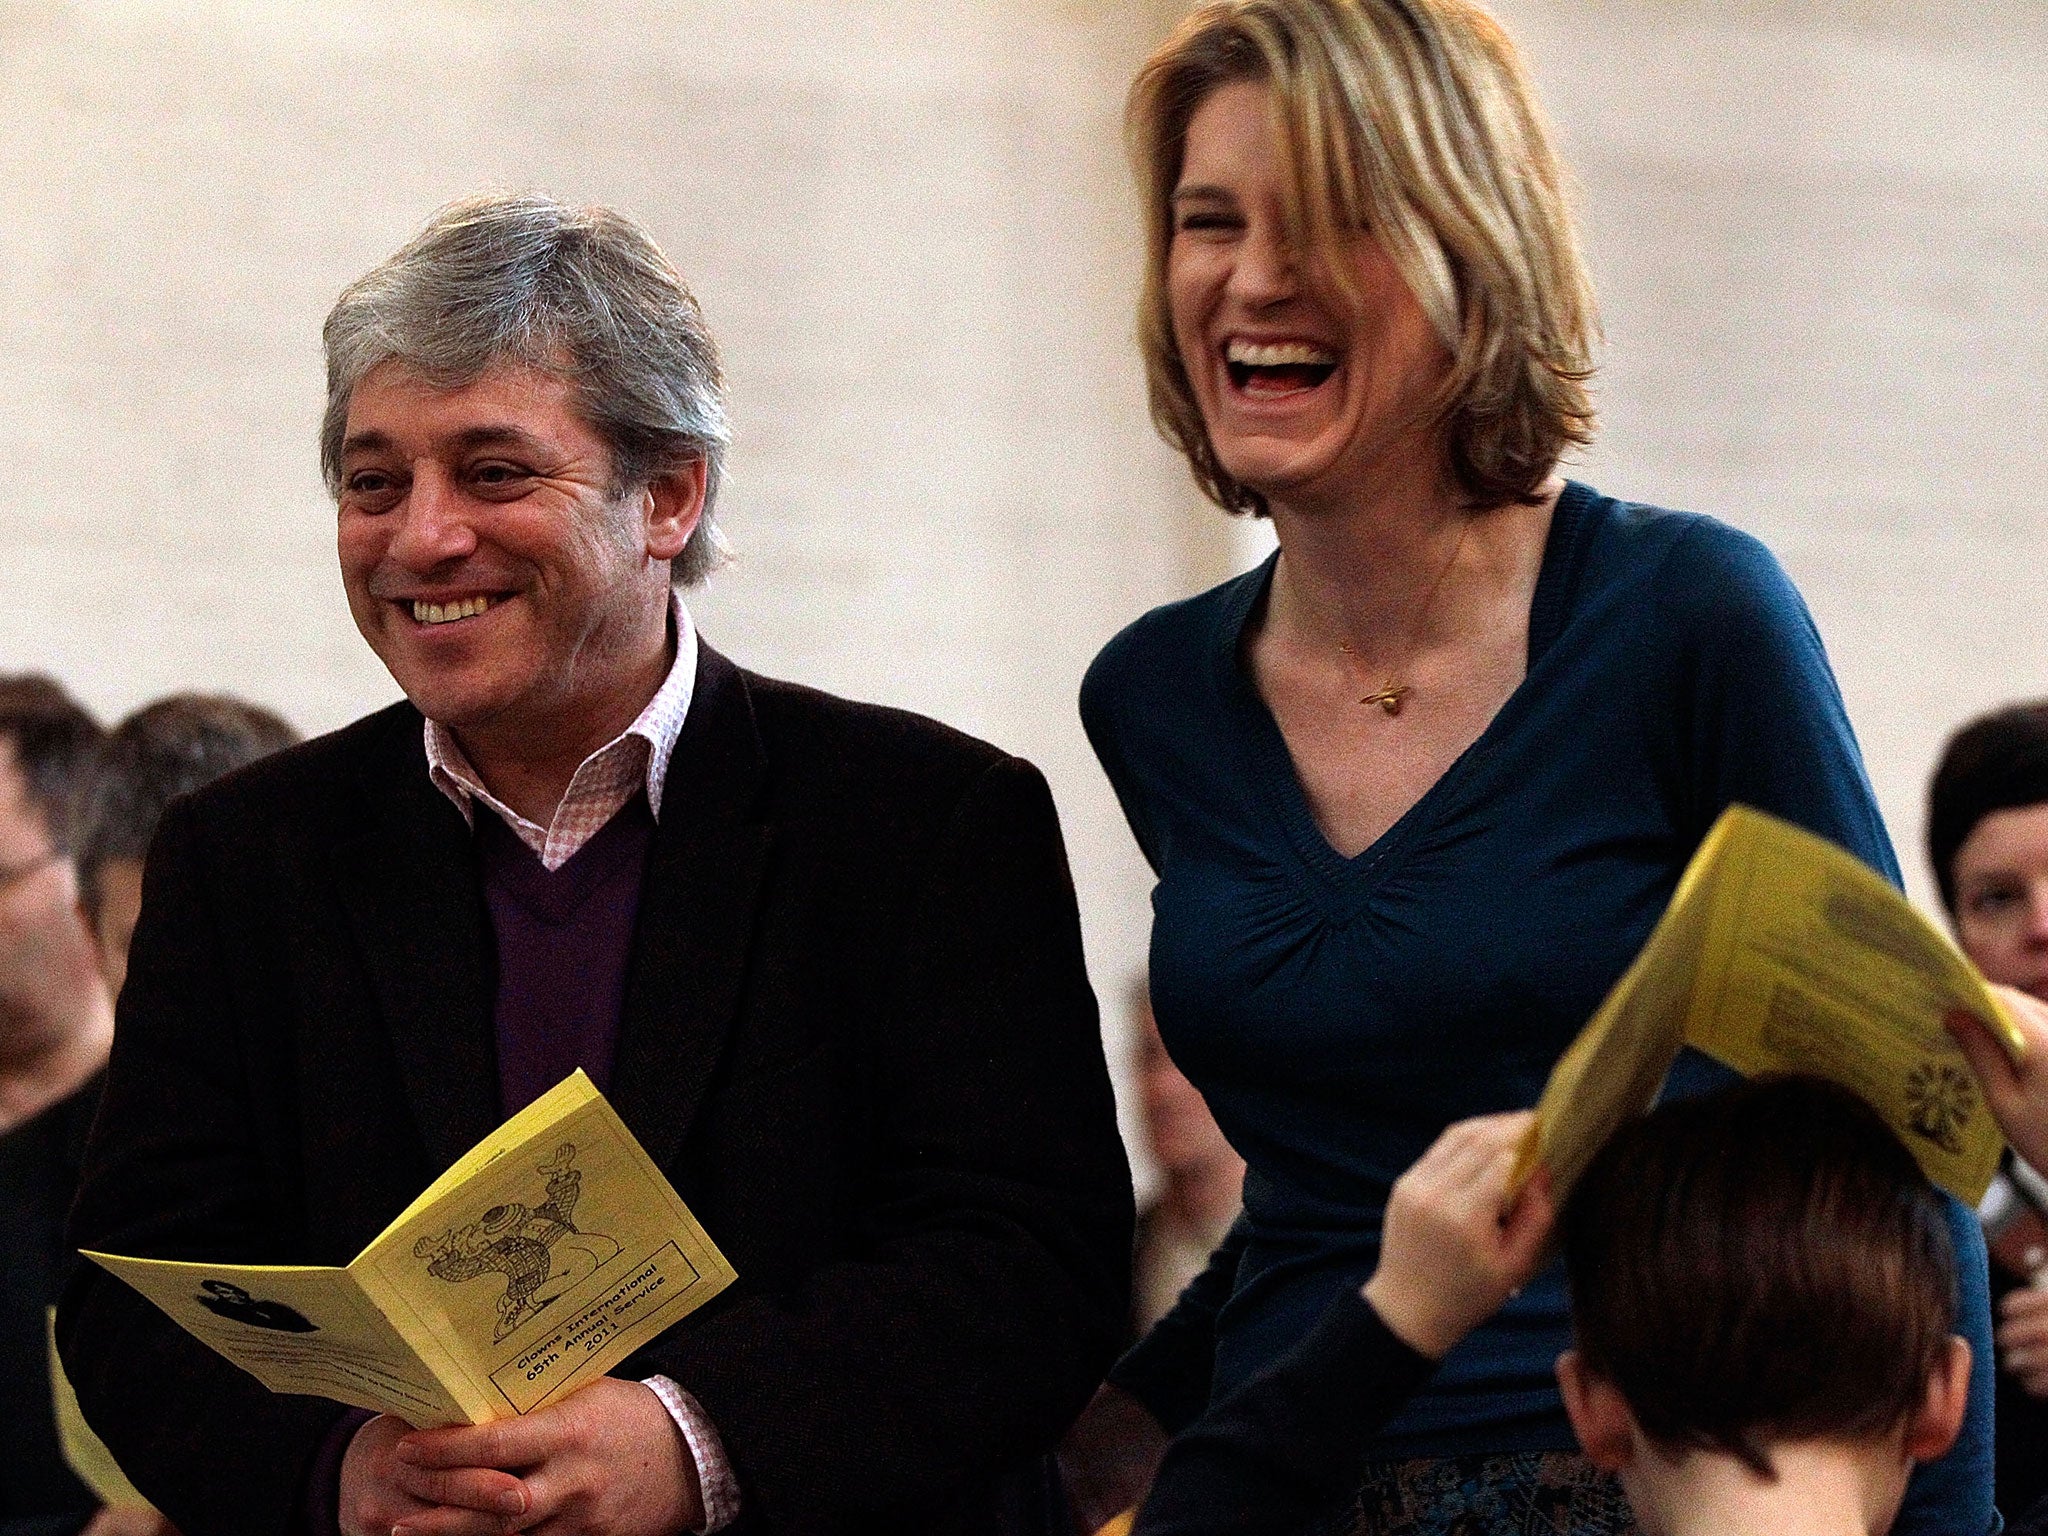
<point x="450" y="611"/>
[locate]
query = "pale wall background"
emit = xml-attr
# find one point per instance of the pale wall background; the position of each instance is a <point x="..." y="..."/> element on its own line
<point x="1820" y="230"/>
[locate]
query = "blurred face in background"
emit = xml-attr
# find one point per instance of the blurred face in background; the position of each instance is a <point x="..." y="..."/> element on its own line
<point x="2001" y="882"/>
<point x="24" y="837"/>
<point x="113" y="922"/>
<point x="1184" y="1137"/>
<point x="46" y="963"/>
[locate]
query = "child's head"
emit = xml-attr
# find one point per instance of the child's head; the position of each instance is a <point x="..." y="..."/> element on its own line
<point x="160" y="752"/>
<point x="1762" y="1267"/>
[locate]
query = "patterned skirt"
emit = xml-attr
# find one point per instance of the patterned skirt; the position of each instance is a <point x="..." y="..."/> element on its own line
<point x="1537" y="1493"/>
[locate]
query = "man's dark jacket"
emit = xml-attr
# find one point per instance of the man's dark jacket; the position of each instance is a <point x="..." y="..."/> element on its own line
<point x="857" y="1037"/>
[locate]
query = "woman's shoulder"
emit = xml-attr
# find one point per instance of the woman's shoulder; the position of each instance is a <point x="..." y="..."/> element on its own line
<point x="1703" y="577"/>
<point x="1159" y="657"/>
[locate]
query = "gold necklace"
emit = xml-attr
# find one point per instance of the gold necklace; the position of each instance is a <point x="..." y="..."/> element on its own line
<point x="1390" y="695"/>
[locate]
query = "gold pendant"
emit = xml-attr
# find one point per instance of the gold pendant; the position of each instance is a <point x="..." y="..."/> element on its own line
<point x="1388" y="698"/>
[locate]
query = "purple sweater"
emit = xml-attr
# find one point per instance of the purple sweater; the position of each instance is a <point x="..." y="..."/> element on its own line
<point x="563" y="939"/>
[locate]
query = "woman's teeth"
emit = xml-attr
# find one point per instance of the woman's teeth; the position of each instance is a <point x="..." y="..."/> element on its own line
<point x="1277" y="367"/>
<point x="1279" y="354"/>
<point x="448" y="613"/>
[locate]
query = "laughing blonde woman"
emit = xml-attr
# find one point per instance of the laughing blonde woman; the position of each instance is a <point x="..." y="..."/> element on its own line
<point x="1416" y="788"/>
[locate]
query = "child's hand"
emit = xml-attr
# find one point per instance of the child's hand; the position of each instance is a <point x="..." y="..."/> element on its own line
<point x="2018" y="1096"/>
<point x="1453" y="1249"/>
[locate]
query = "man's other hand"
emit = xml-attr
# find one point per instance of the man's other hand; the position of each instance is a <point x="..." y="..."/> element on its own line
<point x="605" y="1461"/>
<point x="2018" y="1095"/>
<point x="1454" y="1247"/>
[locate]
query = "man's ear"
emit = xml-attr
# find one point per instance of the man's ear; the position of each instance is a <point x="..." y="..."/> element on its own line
<point x="673" y="506"/>
<point x="1599" y="1413"/>
<point x="1939" y="1419"/>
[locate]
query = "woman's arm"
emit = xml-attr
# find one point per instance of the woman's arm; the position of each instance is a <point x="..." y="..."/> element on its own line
<point x="1169" y="1370"/>
<point x="1108" y="1459"/>
<point x="1767" y="728"/>
<point x="1292" y="1440"/>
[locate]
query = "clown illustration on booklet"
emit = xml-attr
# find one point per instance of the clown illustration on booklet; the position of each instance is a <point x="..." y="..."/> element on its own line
<point x="1780" y="952"/>
<point x="542" y="1258"/>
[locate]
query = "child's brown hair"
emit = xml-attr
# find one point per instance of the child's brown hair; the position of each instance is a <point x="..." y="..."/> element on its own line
<point x="1763" y="1263"/>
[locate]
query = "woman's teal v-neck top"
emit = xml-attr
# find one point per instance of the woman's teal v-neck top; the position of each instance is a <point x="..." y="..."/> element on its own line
<point x="1338" y="1013"/>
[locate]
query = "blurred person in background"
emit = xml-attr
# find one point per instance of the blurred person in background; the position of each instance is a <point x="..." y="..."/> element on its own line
<point x="56" y="1021"/>
<point x="2018" y="1096"/>
<point x="1417" y="788"/>
<point x="55" y="1016"/>
<point x="1201" y="1179"/>
<point x="115" y="796"/>
<point x="823" y="957"/>
<point x="1987" y="842"/>
<point x="163" y="750"/>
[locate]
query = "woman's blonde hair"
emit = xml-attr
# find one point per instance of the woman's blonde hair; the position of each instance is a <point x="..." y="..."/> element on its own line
<point x="1414" y="120"/>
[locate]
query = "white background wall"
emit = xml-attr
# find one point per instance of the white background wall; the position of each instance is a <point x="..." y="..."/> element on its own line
<point x="1820" y="232"/>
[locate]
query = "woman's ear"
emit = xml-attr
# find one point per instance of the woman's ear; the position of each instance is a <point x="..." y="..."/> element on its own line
<point x="1939" y="1419"/>
<point x="1599" y="1413"/>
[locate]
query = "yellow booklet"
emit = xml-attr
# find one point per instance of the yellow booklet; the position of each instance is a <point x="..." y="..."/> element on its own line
<point x="1782" y="953"/>
<point x="548" y="1253"/>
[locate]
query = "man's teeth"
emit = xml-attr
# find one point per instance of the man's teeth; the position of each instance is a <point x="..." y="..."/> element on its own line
<point x="448" y="613"/>
<point x="1279" y="354"/>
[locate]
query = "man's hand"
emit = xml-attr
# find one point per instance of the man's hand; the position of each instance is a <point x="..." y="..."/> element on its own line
<point x="374" y="1502"/>
<point x="2023" y="1338"/>
<point x="2018" y="1095"/>
<point x="1453" y="1248"/>
<point x="1108" y="1459"/>
<point x="605" y="1461"/>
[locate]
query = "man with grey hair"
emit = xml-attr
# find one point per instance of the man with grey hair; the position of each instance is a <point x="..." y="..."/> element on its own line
<point x="823" y="957"/>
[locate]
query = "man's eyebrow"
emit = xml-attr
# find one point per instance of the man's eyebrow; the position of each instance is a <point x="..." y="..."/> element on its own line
<point x="365" y="442"/>
<point x="499" y="435"/>
<point x="490" y="435"/>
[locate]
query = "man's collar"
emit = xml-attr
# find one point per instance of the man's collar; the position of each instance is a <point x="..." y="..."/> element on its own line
<point x="661" y="722"/>
<point x="657" y="725"/>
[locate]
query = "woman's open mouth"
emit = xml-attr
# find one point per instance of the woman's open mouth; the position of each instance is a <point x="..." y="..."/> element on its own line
<point x="1270" y="370"/>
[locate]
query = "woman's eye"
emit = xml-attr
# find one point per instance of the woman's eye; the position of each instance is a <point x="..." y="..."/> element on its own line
<point x="1189" y="223"/>
<point x="1994" y="900"/>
